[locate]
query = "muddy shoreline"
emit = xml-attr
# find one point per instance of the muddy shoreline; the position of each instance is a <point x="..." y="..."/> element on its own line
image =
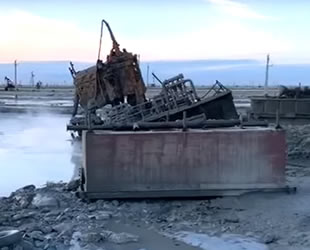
<point x="53" y="217"/>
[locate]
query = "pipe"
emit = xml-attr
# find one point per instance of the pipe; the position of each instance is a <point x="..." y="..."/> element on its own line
<point x="155" y="76"/>
<point x="199" y="124"/>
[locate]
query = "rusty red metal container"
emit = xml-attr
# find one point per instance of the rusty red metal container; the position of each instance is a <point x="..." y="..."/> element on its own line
<point x="176" y="163"/>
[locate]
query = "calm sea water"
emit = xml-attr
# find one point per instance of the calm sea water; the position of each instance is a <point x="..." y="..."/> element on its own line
<point x="35" y="149"/>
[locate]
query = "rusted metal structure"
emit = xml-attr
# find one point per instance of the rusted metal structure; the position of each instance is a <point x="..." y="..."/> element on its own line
<point x="118" y="82"/>
<point x="170" y="163"/>
<point x="109" y="82"/>
<point x="175" y="144"/>
<point x="9" y="84"/>
<point x="178" y="95"/>
<point x="297" y="92"/>
<point x="290" y="108"/>
<point x="290" y="104"/>
<point x="178" y="99"/>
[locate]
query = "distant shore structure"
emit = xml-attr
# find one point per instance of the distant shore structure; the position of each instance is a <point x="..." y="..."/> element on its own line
<point x="15" y="72"/>
<point x="267" y="74"/>
<point x="32" y="79"/>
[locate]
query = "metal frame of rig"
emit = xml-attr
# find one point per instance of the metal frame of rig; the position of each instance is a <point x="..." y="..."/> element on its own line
<point x="118" y="82"/>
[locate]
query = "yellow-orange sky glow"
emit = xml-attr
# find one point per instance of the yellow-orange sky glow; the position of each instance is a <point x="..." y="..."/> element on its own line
<point x="228" y="30"/>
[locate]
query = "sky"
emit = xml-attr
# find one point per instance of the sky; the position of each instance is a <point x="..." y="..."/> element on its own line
<point x="157" y="30"/>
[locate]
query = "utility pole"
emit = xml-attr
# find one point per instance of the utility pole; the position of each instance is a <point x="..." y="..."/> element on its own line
<point x="267" y="75"/>
<point x="15" y="72"/>
<point x="32" y="79"/>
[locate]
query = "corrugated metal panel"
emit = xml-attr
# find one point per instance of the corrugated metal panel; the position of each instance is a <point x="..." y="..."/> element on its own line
<point x="171" y="161"/>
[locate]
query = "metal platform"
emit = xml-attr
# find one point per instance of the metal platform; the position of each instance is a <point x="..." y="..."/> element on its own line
<point x="178" y="99"/>
<point x="288" y="108"/>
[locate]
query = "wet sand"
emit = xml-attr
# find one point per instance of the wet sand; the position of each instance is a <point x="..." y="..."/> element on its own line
<point x="36" y="148"/>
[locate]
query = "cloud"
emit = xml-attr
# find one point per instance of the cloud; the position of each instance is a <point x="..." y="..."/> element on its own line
<point x="221" y="67"/>
<point x="29" y="37"/>
<point x="236" y="9"/>
<point x="224" y="40"/>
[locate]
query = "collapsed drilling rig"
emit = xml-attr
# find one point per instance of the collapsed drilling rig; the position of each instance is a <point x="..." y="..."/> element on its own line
<point x="118" y="82"/>
<point x="115" y="81"/>
<point x="164" y="146"/>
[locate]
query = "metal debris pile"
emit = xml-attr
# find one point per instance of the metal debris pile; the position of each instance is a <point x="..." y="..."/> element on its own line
<point x="109" y="82"/>
<point x="178" y="95"/>
<point x="298" y="141"/>
<point x="9" y="84"/>
<point x="178" y="100"/>
<point x="52" y="218"/>
<point x="298" y="92"/>
<point x="118" y="82"/>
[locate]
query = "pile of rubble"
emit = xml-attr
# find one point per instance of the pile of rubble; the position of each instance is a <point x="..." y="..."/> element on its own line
<point x="298" y="141"/>
<point x="53" y="218"/>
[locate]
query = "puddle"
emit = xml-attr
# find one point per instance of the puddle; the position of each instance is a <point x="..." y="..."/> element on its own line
<point x="226" y="241"/>
<point x="34" y="149"/>
<point x="148" y="239"/>
<point x="183" y="240"/>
